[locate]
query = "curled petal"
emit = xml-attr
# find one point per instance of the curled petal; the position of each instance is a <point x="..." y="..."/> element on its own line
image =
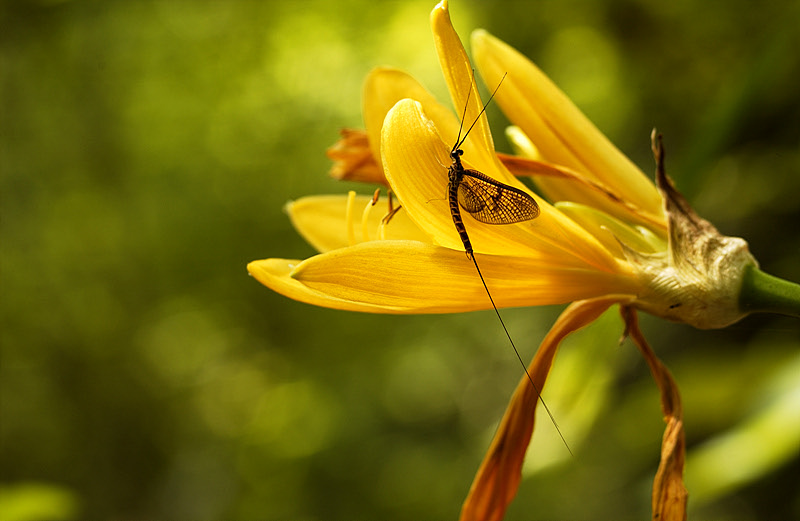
<point x="415" y="161"/>
<point x="669" y="492"/>
<point x="383" y="88"/>
<point x="497" y="480"/>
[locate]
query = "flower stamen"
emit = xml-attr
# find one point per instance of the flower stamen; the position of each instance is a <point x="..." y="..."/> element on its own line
<point x="366" y="213"/>
<point x="348" y="218"/>
<point x="390" y="213"/>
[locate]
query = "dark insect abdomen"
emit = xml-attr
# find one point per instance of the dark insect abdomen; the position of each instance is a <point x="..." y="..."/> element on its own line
<point x="455" y="211"/>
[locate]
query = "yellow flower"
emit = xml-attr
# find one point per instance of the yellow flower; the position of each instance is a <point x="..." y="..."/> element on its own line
<point x="606" y="234"/>
<point x="420" y="266"/>
<point x="610" y="237"/>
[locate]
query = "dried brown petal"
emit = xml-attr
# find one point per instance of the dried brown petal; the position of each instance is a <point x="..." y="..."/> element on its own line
<point x="669" y="492"/>
<point x="353" y="159"/>
<point x="497" y="480"/>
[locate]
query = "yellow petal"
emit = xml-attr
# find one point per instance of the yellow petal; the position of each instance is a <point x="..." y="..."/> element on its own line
<point x="458" y="73"/>
<point x="559" y="130"/>
<point x="276" y="275"/>
<point x="582" y="186"/>
<point x="521" y="143"/>
<point x="610" y="231"/>
<point x="383" y="88"/>
<point x="415" y="159"/>
<point x="323" y="222"/>
<point x="414" y="277"/>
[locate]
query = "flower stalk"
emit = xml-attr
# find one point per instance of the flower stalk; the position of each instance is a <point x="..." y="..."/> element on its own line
<point x="764" y="293"/>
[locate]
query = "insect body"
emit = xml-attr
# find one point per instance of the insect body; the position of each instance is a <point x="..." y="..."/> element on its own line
<point x="487" y="200"/>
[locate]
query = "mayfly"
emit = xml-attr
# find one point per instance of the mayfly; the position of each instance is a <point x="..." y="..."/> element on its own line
<point x="490" y="202"/>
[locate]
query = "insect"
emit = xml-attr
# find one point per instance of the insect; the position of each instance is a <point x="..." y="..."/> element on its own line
<point x="491" y="202"/>
<point x="487" y="200"/>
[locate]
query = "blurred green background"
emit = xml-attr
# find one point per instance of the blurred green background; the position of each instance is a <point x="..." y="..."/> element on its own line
<point x="146" y="150"/>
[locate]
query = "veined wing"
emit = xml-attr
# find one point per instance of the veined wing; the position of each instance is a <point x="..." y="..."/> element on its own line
<point x="493" y="202"/>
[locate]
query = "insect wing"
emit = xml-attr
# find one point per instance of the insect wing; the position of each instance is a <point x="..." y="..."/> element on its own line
<point x="492" y="202"/>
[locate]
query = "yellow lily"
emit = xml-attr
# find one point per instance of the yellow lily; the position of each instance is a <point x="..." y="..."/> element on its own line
<point x="586" y="246"/>
<point x="611" y="236"/>
<point x="420" y="266"/>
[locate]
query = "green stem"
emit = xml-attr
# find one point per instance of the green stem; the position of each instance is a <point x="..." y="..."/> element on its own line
<point x="763" y="293"/>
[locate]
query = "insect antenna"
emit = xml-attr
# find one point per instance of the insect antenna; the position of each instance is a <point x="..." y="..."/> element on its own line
<point x="516" y="352"/>
<point x="459" y="139"/>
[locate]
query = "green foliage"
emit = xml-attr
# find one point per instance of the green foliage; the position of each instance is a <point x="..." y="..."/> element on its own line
<point x="146" y="150"/>
<point x="35" y="501"/>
